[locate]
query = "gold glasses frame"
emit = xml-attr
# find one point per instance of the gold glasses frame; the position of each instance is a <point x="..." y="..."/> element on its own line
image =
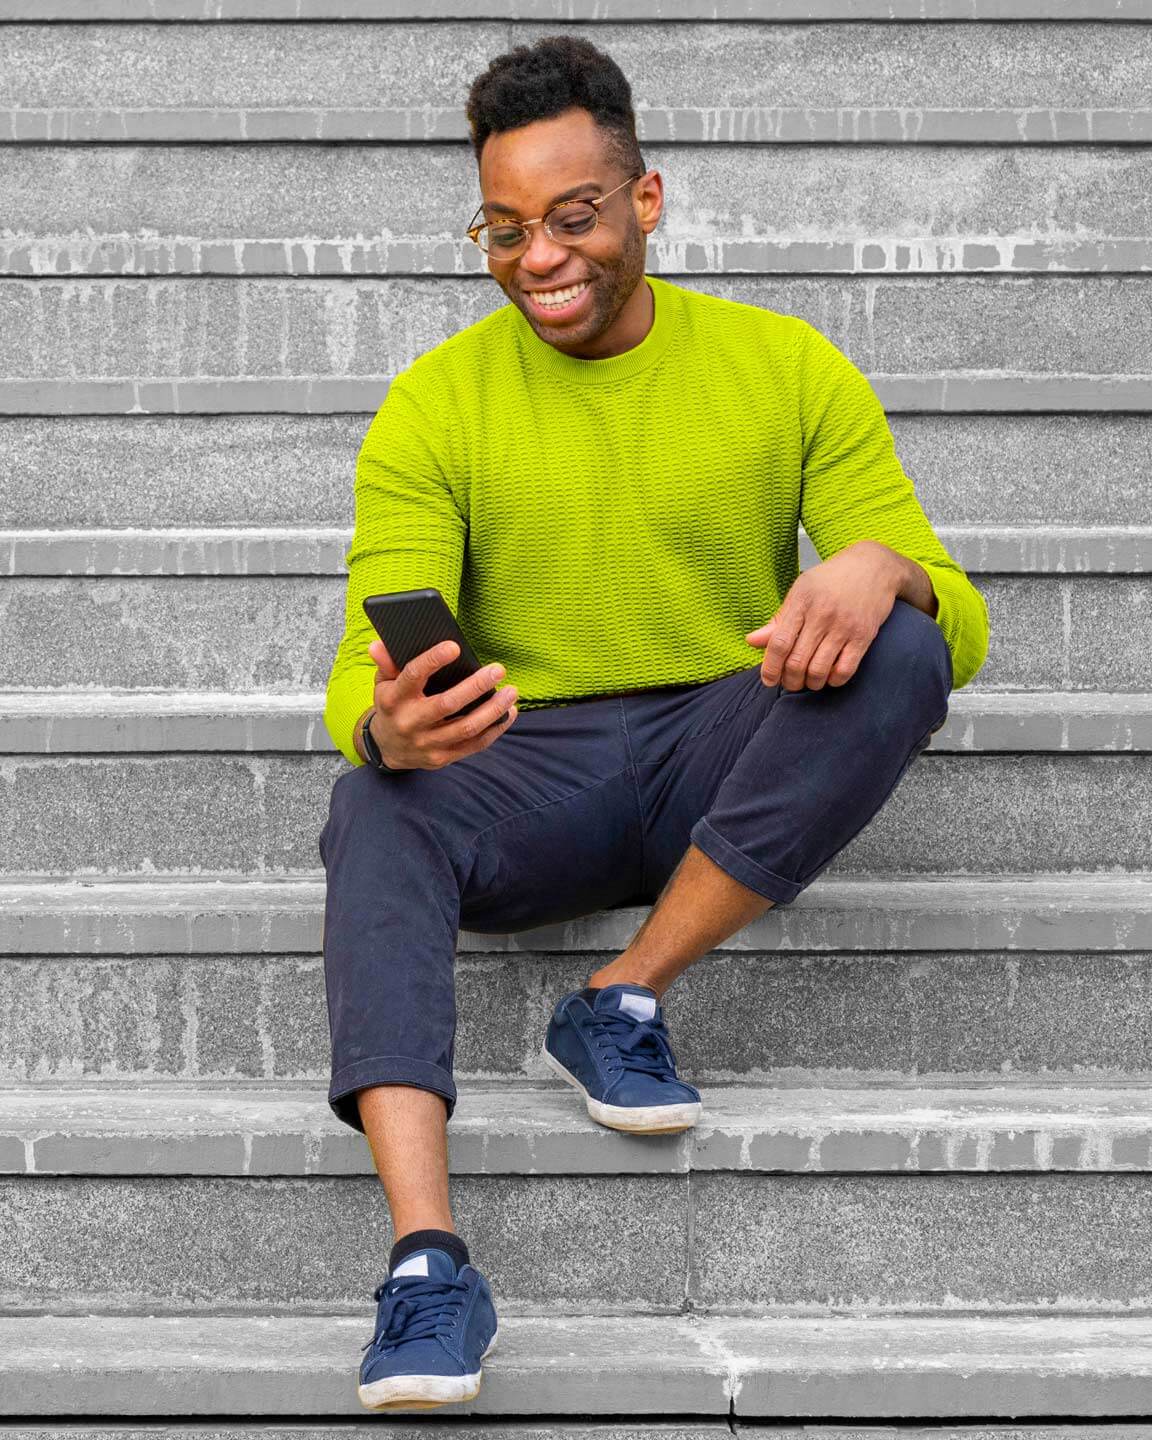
<point x="473" y="230"/>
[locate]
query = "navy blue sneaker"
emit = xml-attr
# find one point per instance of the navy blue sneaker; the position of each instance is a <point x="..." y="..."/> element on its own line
<point x="434" y="1325"/>
<point x="612" y="1045"/>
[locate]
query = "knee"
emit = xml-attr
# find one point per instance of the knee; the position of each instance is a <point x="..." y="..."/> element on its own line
<point x="909" y="652"/>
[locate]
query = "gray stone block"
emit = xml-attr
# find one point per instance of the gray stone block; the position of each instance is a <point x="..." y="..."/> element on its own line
<point x="1048" y="632"/>
<point x="894" y="209"/>
<point x="424" y="64"/>
<point x="737" y="1016"/>
<point x="872" y="1243"/>
<point x="260" y="815"/>
<point x="165" y="470"/>
<point x="567" y="1243"/>
<point x="280" y="333"/>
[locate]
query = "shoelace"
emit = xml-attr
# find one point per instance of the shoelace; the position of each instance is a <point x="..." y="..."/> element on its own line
<point x="639" y="1044"/>
<point x="416" y="1310"/>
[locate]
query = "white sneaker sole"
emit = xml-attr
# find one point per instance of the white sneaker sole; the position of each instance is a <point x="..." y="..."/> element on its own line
<point x="635" y="1119"/>
<point x="423" y="1392"/>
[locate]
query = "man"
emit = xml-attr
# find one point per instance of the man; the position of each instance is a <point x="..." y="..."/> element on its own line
<point x="604" y="478"/>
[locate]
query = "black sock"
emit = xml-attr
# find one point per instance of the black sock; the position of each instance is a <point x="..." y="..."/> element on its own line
<point x="428" y="1240"/>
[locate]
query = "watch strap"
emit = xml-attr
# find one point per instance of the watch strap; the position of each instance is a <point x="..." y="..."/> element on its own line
<point x="372" y="750"/>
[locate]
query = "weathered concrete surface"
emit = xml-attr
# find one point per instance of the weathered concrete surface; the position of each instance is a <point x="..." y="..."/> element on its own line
<point x="956" y="1242"/>
<point x="415" y="64"/>
<point x="298" y="469"/>
<point x="188" y="915"/>
<point x="587" y="1365"/>
<point x="402" y="1429"/>
<point x="260" y="815"/>
<point x="803" y="1018"/>
<point x="563" y="1243"/>
<point x="570" y="10"/>
<point x="1050" y="632"/>
<point x="530" y="1130"/>
<point x="295" y="550"/>
<point x="887" y="209"/>
<point x="185" y="632"/>
<point x="37" y="722"/>
<point x="279" y="331"/>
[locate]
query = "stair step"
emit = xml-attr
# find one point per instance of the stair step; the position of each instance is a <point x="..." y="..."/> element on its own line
<point x="1050" y="632"/>
<point x="47" y="722"/>
<point x="273" y="471"/>
<point x="533" y="1130"/>
<point x="255" y="815"/>
<point x="980" y="549"/>
<point x="898" y="84"/>
<point x="192" y="916"/>
<point x="794" y="1366"/>
<point x="197" y="346"/>
<point x="651" y="11"/>
<point x="77" y="124"/>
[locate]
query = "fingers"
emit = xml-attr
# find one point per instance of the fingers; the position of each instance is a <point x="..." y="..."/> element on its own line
<point x="808" y="651"/>
<point x="471" y="727"/>
<point x="475" y="731"/>
<point x="414" y="676"/>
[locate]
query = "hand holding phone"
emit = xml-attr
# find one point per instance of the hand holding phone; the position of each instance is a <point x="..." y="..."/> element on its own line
<point x="434" y="703"/>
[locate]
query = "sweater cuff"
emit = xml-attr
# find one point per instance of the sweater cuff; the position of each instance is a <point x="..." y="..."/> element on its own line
<point x="962" y="614"/>
<point x="343" y="708"/>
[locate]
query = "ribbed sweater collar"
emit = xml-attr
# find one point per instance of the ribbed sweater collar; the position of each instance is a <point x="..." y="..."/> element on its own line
<point x="550" y="361"/>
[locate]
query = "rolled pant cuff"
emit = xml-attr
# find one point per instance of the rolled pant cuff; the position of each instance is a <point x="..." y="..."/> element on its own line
<point x="737" y="864"/>
<point x="385" y="1070"/>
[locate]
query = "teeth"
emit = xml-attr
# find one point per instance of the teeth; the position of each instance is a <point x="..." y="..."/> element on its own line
<point x="559" y="297"/>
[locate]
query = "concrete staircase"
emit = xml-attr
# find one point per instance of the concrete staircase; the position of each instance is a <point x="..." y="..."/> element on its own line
<point x="921" y="1187"/>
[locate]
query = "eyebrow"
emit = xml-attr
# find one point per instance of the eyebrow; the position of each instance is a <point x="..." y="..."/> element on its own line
<point x="556" y="199"/>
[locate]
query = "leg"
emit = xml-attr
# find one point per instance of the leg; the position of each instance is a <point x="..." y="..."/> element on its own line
<point x="816" y="768"/>
<point x="700" y="906"/>
<point x="540" y="827"/>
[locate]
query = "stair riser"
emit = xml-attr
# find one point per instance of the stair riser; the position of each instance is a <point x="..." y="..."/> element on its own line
<point x="298" y="469"/>
<point x="424" y="64"/>
<point x="230" y="633"/>
<point x="192" y="209"/>
<point x="777" y="1017"/>
<point x="867" y="1242"/>
<point x="262" y="814"/>
<point x="344" y="329"/>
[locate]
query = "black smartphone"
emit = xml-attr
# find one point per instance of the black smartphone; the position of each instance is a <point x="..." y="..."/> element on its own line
<point x="412" y="621"/>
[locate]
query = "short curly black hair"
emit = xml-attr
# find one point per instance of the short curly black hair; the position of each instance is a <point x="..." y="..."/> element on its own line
<point x="540" y="81"/>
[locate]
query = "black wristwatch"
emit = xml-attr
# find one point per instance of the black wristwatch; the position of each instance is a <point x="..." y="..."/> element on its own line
<point x="372" y="750"/>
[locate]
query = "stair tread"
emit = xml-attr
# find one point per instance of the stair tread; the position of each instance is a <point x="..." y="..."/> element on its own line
<point x="226" y="914"/>
<point x="922" y="1365"/>
<point x="1034" y="1124"/>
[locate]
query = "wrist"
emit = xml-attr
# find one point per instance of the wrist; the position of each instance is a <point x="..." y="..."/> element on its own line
<point x="908" y="578"/>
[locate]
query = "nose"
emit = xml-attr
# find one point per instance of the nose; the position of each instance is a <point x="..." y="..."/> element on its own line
<point x="542" y="254"/>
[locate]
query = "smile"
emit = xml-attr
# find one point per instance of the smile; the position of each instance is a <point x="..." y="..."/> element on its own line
<point x="559" y="302"/>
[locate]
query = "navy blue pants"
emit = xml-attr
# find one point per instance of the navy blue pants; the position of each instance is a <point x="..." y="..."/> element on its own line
<point x="590" y="806"/>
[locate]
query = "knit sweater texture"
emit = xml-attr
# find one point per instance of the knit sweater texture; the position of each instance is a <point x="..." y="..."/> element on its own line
<point x="607" y="525"/>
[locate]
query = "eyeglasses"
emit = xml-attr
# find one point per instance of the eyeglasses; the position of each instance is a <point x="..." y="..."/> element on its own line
<point x="505" y="239"/>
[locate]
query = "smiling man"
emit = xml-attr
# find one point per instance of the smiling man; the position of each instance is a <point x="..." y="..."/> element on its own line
<point x="605" y="479"/>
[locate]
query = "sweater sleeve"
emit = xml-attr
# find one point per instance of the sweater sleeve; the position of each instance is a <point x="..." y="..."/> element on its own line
<point x="409" y="534"/>
<point x="854" y="488"/>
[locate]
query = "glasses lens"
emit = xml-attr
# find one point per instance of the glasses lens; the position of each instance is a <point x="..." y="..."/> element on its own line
<point x="503" y="239"/>
<point x="572" y="222"/>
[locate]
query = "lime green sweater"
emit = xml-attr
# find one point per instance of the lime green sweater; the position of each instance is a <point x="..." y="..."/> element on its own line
<point x="604" y="525"/>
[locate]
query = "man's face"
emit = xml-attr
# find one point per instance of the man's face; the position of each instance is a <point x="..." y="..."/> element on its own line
<point x="523" y="173"/>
